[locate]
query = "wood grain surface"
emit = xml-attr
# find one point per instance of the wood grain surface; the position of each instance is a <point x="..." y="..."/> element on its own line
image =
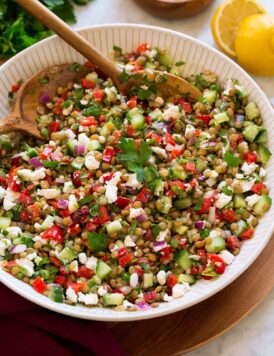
<point x="184" y="331"/>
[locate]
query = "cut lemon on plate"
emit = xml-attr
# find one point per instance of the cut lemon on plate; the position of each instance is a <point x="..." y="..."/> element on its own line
<point x="227" y="18"/>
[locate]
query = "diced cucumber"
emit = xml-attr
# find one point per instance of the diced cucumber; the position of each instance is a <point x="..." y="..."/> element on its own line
<point x="56" y="294"/>
<point x="174" y="70"/>
<point x="102" y="269"/>
<point x="181" y="230"/>
<point x="150" y="65"/>
<point x="262" y="205"/>
<point x="262" y="137"/>
<point x="67" y="255"/>
<point x="252" y="111"/>
<point x="201" y="165"/>
<point x="251" y="131"/>
<point x="242" y="225"/>
<point x="150" y="174"/>
<point x="48" y="222"/>
<point x="158" y="187"/>
<point x="217" y="245"/>
<point x="210" y="96"/>
<point x="183" y="260"/>
<point x="264" y="154"/>
<point x="78" y="163"/>
<point x="94" y="145"/>
<point x="148" y="280"/>
<point x="136" y="118"/>
<point x="178" y="172"/>
<point x="32" y="153"/>
<point x="70" y="146"/>
<point x="166" y="59"/>
<point x="155" y="114"/>
<point x="183" y="203"/>
<point x="164" y="204"/>
<point x="114" y="226"/>
<point x="4" y="222"/>
<point x="112" y="299"/>
<point x="220" y="118"/>
<point x="239" y="201"/>
<point x="92" y="283"/>
<point x="186" y="278"/>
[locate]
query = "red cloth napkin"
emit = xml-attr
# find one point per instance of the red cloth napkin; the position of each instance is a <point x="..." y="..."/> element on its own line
<point x="27" y="329"/>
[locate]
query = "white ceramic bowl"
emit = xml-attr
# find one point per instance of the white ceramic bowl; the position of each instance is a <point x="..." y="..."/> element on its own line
<point x="198" y="56"/>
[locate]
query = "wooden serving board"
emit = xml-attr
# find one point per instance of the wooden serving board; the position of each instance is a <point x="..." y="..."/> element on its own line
<point x="184" y="331"/>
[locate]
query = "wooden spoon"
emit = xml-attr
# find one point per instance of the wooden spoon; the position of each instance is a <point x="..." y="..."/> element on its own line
<point x="23" y="115"/>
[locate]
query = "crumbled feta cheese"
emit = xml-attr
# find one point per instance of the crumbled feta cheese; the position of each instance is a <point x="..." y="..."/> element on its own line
<point x="129" y="242"/>
<point x="133" y="212"/>
<point x="249" y="168"/>
<point x="27" y="265"/>
<point x="111" y="188"/>
<point x="73" y="267"/>
<point x="88" y="299"/>
<point x="221" y="185"/>
<point x="133" y="181"/>
<point x="13" y="231"/>
<point x="159" y="101"/>
<point x="172" y="112"/>
<point x="227" y="257"/>
<point x="189" y="130"/>
<point x="11" y="195"/>
<point x="72" y="203"/>
<point x="239" y="176"/>
<point x="262" y="172"/>
<point x="49" y="193"/>
<point x="222" y="200"/>
<point x="91" y="162"/>
<point x="246" y="185"/>
<point x="71" y="295"/>
<point x="69" y="133"/>
<point x="82" y="258"/>
<point x="127" y="304"/>
<point x="126" y="290"/>
<point x="213" y="233"/>
<point x="102" y="291"/>
<point x="92" y="263"/>
<point x="32" y="176"/>
<point x="68" y="187"/>
<point x="161" y="277"/>
<point x="133" y="281"/>
<point x="252" y="200"/>
<point x="32" y="256"/>
<point x="179" y="290"/>
<point x="111" y="94"/>
<point x="162" y="235"/>
<point x="167" y="298"/>
<point x="2" y="193"/>
<point x="83" y="139"/>
<point x="37" y="227"/>
<point x="159" y="151"/>
<point x="102" y="139"/>
<point x="8" y="205"/>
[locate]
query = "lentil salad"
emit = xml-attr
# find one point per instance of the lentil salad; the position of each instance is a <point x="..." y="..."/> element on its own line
<point x="132" y="199"/>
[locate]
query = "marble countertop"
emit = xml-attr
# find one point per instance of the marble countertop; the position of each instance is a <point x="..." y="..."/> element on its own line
<point x="254" y="335"/>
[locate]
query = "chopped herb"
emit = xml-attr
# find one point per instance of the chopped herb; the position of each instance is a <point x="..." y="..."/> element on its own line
<point x="118" y="49"/>
<point x="180" y="63"/>
<point x="97" y="242"/>
<point x="227" y="191"/>
<point x="199" y="204"/>
<point x="94" y="210"/>
<point x="43" y="80"/>
<point x="231" y="159"/>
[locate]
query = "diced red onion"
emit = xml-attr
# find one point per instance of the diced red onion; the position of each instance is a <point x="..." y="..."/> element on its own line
<point x="227" y="233"/>
<point x="207" y="144"/>
<point x="62" y="203"/>
<point x="18" y="249"/>
<point x="201" y="178"/>
<point x="57" y="155"/>
<point x="45" y="98"/>
<point x="158" y="246"/>
<point x="212" y="214"/>
<point x="59" y="181"/>
<point x="142" y="306"/>
<point x="240" y="118"/>
<point x="80" y="149"/>
<point x="141" y="218"/>
<point x="35" y="162"/>
<point x="84" y="211"/>
<point x="200" y="225"/>
<point x="192" y="141"/>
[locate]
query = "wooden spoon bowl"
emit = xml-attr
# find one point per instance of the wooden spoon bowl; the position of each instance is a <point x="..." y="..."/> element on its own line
<point x="174" y="9"/>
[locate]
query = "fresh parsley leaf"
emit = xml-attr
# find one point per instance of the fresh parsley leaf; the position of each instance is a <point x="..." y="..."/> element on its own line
<point x="199" y="204"/>
<point x="94" y="210"/>
<point x="155" y="230"/>
<point x="134" y="167"/>
<point x="145" y="94"/>
<point x="97" y="242"/>
<point x="227" y="191"/>
<point x="231" y="159"/>
<point x="180" y="63"/>
<point x="130" y="152"/>
<point x="124" y="76"/>
<point x="118" y="49"/>
<point x="209" y="272"/>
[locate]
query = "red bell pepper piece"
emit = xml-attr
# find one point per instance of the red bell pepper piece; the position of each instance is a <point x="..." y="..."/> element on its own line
<point x="76" y="286"/>
<point x="218" y="262"/>
<point x="87" y="84"/>
<point x="90" y="65"/>
<point x="150" y="296"/>
<point x="233" y="242"/>
<point x="247" y="234"/>
<point x="258" y="187"/>
<point x="54" y="126"/>
<point x="46" y="153"/>
<point x="103" y="216"/>
<point x="64" y="213"/>
<point x="74" y="230"/>
<point x="98" y="95"/>
<point x="190" y="167"/>
<point x="108" y="154"/>
<point x="185" y="105"/>
<point x="131" y="132"/>
<point x="54" y="233"/>
<point x="178" y="184"/>
<point x="228" y="215"/>
<point x="35" y="211"/>
<point x="205" y="206"/>
<point x="54" y="260"/>
<point x="250" y="157"/>
<point x="85" y="272"/>
<point x="60" y="280"/>
<point x="122" y="202"/>
<point x="148" y="120"/>
<point x="58" y="108"/>
<point x="76" y="179"/>
<point x="39" y="285"/>
<point x="25" y="198"/>
<point x="91" y="226"/>
<point x="15" y="88"/>
<point x="125" y="260"/>
<point x="132" y="102"/>
<point x="152" y="135"/>
<point x="165" y="254"/>
<point x="168" y="140"/>
<point x="142" y="48"/>
<point x="11" y="181"/>
<point x="144" y="195"/>
<point x="24" y="215"/>
<point x="88" y="121"/>
<point x="122" y="252"/>
<point x="176" y="153"/>
<point x="205" y="118"/>
<point x="172" y="280"/>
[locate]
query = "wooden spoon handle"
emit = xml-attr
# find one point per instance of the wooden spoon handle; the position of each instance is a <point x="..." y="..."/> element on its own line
<point x="50" y="20"/>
